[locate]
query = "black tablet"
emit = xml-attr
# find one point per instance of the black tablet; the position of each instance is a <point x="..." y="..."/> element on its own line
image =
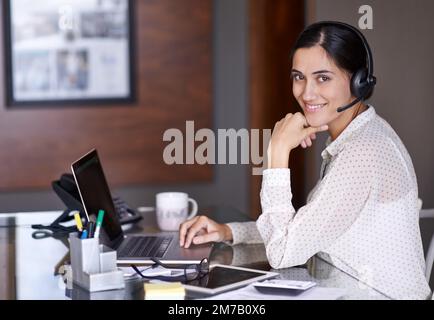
<point x="222" y="278"/>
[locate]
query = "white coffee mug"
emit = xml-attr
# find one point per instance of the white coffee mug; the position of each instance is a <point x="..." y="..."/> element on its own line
<point x="172" y="209"/>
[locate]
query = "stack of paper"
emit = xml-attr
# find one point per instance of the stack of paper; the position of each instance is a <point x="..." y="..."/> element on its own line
<point x="164" y="291"/>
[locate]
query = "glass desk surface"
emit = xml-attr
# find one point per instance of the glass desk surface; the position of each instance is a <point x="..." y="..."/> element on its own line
<point x="28" y="265"/>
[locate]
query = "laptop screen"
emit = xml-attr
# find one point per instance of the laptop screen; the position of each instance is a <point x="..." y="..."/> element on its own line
<point x="95" y="192"/>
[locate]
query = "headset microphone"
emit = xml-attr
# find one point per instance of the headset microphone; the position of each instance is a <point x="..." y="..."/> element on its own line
<point x="362" y="81"/>
<point x="343" y="108"/>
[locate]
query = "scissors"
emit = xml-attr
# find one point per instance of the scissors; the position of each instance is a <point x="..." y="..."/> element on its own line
<point x="56" y="232"/>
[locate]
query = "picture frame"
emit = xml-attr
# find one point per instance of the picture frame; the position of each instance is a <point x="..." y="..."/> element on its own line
<point x="61" y="52"/>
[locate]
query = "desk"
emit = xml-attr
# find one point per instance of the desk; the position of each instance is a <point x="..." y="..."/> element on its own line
<point x="27" y="265"/>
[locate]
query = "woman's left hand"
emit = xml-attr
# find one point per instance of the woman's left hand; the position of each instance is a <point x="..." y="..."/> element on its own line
<point x="289" y="133"/>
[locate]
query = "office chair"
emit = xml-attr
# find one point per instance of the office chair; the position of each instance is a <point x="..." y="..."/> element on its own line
<point x="429" y="258"/>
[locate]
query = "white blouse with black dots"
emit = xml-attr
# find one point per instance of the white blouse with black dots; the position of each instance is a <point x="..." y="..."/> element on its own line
<point x="362" y="216"/>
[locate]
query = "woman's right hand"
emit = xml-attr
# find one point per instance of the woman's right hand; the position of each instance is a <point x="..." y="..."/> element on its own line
<point x="202" y="229"/>
<point x="307" y="142"/>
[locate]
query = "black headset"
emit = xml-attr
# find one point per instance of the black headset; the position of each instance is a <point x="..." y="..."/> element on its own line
<point x="363" y="80"/>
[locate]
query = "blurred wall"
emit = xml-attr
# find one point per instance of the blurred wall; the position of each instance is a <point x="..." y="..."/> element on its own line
<point x="402" y="45"/>
<point x="171" y="76"/>
<point x="229" y="186"/>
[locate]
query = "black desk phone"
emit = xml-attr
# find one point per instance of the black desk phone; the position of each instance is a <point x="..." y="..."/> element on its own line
<point x="67" y="191"/>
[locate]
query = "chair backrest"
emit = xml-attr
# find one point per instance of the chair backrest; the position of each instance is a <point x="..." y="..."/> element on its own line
<point x="429" y="257"/>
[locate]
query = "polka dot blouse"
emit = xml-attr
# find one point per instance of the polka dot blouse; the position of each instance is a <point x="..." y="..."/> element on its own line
<point x="362" y="216"/>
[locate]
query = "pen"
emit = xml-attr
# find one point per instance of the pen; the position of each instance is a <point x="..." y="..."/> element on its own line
<point x="78" y="221"/>
<point x="90" y="229"/>
<point x="84" y="234"/>
<point x="99" y="223"/>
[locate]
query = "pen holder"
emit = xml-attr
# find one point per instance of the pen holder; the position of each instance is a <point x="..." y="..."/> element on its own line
<point x="94" y="265"/>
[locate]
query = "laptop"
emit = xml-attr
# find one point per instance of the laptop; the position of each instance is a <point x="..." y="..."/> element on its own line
<point x="131" y="248"/>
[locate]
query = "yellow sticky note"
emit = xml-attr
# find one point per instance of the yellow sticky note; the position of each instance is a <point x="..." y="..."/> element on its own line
<point x="164" y="291"/>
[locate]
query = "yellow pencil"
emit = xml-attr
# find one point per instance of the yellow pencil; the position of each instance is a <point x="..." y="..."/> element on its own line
<point x="78" y="221"/>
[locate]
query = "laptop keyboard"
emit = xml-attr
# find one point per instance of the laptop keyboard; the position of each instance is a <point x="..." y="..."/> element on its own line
<point x="148" y="246"/>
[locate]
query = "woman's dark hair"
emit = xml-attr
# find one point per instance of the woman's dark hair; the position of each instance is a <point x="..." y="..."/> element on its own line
<point x="342" y="45"/>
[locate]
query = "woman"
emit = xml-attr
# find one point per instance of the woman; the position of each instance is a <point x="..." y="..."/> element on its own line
<point x="363" y="215"/>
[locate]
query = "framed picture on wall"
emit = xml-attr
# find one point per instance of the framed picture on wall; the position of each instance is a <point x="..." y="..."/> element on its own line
<point x="68" y="51"/>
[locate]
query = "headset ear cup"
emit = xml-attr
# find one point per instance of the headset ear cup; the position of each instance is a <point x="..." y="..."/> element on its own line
<point x="359" y="84"/>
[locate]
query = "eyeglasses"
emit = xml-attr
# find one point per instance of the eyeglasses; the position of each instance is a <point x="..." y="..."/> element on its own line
<point x="190" y="272"/>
